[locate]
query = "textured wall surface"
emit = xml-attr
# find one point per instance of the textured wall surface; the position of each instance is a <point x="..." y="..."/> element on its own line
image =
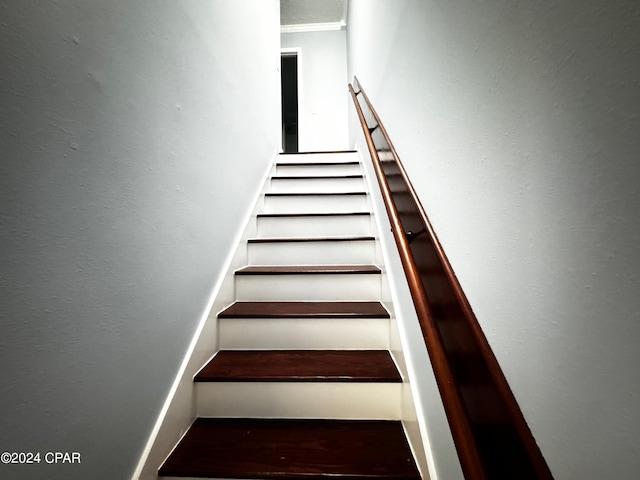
<point x="125" y="166"/>
<point x="324" y="96"/>
<point x="518" y="124"/>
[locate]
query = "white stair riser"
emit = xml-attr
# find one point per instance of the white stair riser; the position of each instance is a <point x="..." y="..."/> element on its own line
<point x="344" y="400"/>
<point x="309" y="185"/>
<point x="303" y="333"/>
<point x="316" y="204"/>
<point x="361" y="252"/>
<point x="308" y="287"/>
<point x="322" y="226"/>
<point x="317" y="170"/>
<point x="319" y="157"/>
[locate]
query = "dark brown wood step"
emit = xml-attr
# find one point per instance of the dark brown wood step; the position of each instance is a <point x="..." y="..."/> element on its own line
<point x="316" y="152"/>
<point x="305" y="310"/>
<point x="300" y="366"/>
<point x="314" y="164"/>
<point x="292" y="449"/>
<point x="314" y="177"/>
<point x="319" y="214"/>
<point x="307" y="269"/>
<point x="312" y="239"/>
<point x="314" y="194"/>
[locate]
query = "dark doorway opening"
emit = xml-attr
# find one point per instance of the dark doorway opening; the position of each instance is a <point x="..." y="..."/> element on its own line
<point x="289" y="83"/>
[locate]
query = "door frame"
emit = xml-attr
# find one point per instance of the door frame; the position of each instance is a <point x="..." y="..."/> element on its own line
<point x="297" y="52"/>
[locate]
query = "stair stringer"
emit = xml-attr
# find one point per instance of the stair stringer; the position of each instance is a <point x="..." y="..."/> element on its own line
<point x="423" y="414"/>
<point x="180" y="409"/>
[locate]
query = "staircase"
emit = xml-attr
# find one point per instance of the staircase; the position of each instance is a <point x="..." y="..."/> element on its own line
<point x="304" y="385"/>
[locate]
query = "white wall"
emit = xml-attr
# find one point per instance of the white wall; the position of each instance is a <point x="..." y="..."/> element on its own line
<point x="323" y="93"/>
<point x="133" y="136"/>
<point x="518" y="125"/>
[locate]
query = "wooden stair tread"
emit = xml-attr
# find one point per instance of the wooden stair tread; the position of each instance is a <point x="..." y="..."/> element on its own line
<point x="305" y="269"/>
<point x="314" y="177"/>
<point x="318" y="214"/>
<point x="318" y="152"/>
<point x="314" y="164"/>
<point x="311" y="239"/>
<point x="300" y="366"/>
<point x="313" y="194"/>
<point x="292" y="449"/>
<point x="305" y="310"/>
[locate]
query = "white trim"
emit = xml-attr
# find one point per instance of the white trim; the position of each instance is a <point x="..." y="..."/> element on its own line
<point x="345" y="12"/>
<point x="313" y="27"/>
<point x="297" y="51"/>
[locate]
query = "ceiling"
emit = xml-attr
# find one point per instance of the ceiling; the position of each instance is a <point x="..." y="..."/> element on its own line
<point x="312" y="15"/>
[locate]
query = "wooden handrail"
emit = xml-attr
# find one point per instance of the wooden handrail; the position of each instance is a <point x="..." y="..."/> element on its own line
<point x="481" y="433"/>
<point x="470" y="460"/>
